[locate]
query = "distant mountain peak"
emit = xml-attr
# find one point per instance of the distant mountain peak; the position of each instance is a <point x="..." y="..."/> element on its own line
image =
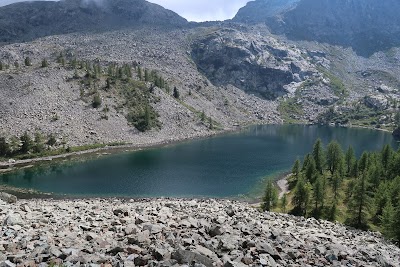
<point x="367" y="26"/>
<point x="29" y="20"/>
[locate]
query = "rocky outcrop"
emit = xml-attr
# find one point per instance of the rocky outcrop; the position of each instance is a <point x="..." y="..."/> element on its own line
<point x="30" y="20"/>
<point x="367" y="26"/>
<point x="378" y="102"/>
<point x="258" y="65"/>
<point x="167" y="232"/>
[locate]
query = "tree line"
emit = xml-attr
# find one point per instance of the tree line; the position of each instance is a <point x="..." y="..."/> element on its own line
<point x="335" y="185"/>
<point x="24" y="144"/>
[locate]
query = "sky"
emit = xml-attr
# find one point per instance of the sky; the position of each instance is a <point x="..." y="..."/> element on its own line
<point x="192" y="10"/>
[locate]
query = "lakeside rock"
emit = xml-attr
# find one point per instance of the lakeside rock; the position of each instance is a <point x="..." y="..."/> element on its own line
<point x="173" y="232"/>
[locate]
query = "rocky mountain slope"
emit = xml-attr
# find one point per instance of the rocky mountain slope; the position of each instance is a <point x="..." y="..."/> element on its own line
<point x="167" y="232"/>
<point x="367" y="26"/>
<point x="227" y="74"/>
<point x="29" y="20"/>
<point x="32" y="96"/>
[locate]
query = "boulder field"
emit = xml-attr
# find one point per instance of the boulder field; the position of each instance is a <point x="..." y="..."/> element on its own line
<point x="176" y="232"/>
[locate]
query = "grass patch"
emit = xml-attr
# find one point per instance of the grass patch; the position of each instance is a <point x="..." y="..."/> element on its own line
<point x="336" y="84"/>
<point x="291" y="110"/>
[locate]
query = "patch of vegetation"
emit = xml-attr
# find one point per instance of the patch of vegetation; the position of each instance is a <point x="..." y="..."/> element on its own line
<point x="291" y="110"/>
<point x="357" y="114"/>
<point x="334" y="185"/>
<point x="336" y="84"/>
<point x="27" y="147"/>
<point x="137" y="93"/>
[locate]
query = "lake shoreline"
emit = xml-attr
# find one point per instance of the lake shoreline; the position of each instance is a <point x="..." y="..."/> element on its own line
<point x="252" y="196"/>
<point x="11" y="165"/>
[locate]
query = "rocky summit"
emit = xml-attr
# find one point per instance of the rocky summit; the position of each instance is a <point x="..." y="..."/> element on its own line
<point x="171" y="232"/>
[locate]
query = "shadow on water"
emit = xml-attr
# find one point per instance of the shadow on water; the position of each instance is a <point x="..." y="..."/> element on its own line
<point x="223" y="166"/>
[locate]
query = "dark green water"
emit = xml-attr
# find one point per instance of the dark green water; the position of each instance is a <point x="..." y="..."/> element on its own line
<point x="222" y="166"/>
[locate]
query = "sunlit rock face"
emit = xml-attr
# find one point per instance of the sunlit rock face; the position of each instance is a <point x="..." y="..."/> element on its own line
<point x="352" y="23"/>
<point x="259" y="65"/>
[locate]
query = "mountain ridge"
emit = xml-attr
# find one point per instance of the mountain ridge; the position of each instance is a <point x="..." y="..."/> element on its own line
<point x="352" y="23"/>
<point x="27" y="21"/>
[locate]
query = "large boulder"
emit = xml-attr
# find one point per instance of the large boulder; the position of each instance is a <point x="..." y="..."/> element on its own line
<point x="8" y="198"/>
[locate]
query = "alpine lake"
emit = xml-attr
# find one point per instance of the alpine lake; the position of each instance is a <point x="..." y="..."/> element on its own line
<point x="229" y="165"/>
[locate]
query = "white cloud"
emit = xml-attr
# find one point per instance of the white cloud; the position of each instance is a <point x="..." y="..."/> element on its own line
<point x="192" y="10"/>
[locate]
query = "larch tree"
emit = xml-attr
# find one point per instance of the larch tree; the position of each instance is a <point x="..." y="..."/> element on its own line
<point x="334" y="157"/>
<point x="318" y="155"/>
<point x="350" y="159"/>
<point x="360" y="203"/>
<point x="270" y="197"/>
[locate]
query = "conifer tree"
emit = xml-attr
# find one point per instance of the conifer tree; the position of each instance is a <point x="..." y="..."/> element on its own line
<point x="26" y="143"/>
<point x="350" y="159"/>
<point x="147" y="117"/>
<point x="45" y="64"/>
<point x="387" y="154"/>
<point x="388" y="220"/>
<point x="210" y="122"/>
<point x="319" y="191"/>
<point x="139" y="73"/>
<point x="301" y="197"/>
<point x="318" y="155"/>
<point x="359" y="204"/>
<point x="311" y="171"/>
<point x="270" y="196"/>
<point x="284" y="203"/>
<point x="28" y="61"/>
<point x="334" y="157"/>
<point x="176" y="93"/>
<point x="4" y="147"/>
<point x="51" y="141"/>
<point x="363" y="163"/>
<point x="38" y="146"/>
<point x="336" y="182"/>
<point x="14" y="144"/>
<point x="203" y="116"/>
<point x="296" y="168"/>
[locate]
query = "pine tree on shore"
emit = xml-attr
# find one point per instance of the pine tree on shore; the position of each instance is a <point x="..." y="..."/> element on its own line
<point x="270" y="199"/>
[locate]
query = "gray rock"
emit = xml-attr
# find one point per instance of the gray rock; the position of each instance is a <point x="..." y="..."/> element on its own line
<point x="120" y="212"/>
<point x="153" y="228"/>
<point x="331" y="256"/>
<point x="141" y="238"/>
<point x="230" y="211"/>
<point x="263" y="247"/>
<point x="130" y="229"/>
<point x="7" y="264"/>
<point x="8" y="198"/>
<point x="228" y="243"/>
<point x="161" y="254"/>
<point x="215" y="230"/>
<point x="267" y="260"/>
<point x="141" y="260"/>
<point x="234" y="264"/>
<point x="14" y="219"/>
<point x="189" y="257"/>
